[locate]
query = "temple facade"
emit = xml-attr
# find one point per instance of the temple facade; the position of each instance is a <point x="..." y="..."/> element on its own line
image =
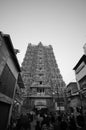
<point x="41" y="76"/>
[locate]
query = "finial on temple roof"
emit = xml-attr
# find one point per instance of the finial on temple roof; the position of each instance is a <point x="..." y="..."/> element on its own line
<point x="40" y="43"/>
<point x="16" y="51"/>
<point x="50" y="46"/>
<point x="84" y="47"/>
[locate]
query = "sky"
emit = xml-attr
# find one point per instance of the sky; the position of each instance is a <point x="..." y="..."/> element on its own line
<point x="60" y="23"/>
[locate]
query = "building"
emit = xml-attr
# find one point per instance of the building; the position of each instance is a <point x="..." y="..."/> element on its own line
<point x="80" y="73"/>
<point x="18" y="98"/>
<point x="42" y="78"/>
<point x="9" y="73"/>
<point x="72" y="97"/>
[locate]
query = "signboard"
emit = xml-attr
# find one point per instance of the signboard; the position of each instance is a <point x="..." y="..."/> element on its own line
<point x="60" y="108"/>
<point x="40" y="102"/>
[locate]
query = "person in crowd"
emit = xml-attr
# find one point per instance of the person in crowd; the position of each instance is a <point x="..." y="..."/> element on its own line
<point x="47" y="123"/>
<point x="80" y="121"/>
<point x="37" y="127"/>
<point x="72" y="123"/>
<point x="63" y="124"/>
<point x="23" y="122"/>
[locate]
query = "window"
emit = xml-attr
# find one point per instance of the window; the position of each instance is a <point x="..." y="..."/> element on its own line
<point x="41" y="74"/>
<point x="40" y="82"/>
<point x="40" y="68"/>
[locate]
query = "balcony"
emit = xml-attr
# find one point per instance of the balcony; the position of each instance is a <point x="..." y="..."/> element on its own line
<point x="40" y="95"/>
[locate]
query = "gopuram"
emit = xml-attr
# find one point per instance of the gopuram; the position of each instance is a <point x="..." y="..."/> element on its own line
<point x="42" y="79"/>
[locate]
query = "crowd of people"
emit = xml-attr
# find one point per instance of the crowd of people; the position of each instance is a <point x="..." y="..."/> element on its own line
<point x="48" y="121"/>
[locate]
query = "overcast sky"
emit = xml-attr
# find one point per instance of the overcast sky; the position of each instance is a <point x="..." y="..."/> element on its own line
<point x="61" y="23"/>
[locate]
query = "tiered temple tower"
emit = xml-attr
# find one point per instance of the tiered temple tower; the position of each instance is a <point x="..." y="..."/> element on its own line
<point x="41" y="77"/>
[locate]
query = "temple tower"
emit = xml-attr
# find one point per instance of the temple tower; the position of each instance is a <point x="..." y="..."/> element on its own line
<point x="41" y="77"/>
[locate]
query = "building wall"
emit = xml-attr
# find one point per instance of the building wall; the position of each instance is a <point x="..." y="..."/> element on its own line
<point x="81" y="73"/>
<point x="6" y="100"/>
<point x="6" y="58"/>
<point x="12" y="67"/>
<point x="8" y="82"/>
<point x="3" y="54"/>
<point x="72" y="96"/>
